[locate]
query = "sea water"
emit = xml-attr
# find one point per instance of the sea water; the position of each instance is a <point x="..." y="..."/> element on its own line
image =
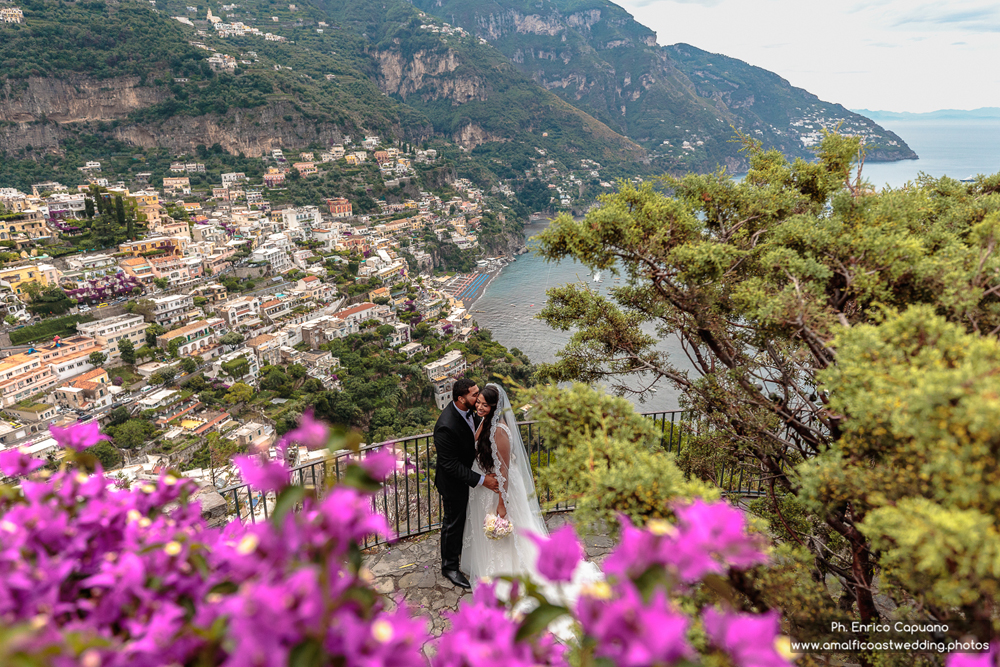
<point x="956" y="148"/>
<point x="959" y="149"/>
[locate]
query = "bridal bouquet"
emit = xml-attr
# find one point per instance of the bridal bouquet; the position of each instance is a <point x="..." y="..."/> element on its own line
<point x="497" y="527"/>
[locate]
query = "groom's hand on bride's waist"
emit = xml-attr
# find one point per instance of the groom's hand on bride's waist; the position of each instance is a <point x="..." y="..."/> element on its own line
<point x="491" y="483"/>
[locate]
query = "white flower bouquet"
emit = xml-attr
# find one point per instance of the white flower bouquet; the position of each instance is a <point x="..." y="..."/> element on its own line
<point x="497" y="527"/>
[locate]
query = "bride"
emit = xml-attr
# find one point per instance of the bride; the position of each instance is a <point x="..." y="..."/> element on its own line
<point x="499" y="450"/>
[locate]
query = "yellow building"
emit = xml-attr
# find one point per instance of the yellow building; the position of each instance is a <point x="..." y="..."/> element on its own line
<point x="145" y="198"/>
<point x="17" y="277"/>
<point x="171" y="244"/>
<point x="25" y="225"/>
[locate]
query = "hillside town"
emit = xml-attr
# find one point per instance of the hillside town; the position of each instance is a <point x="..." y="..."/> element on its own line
<point x="215" y="306"/>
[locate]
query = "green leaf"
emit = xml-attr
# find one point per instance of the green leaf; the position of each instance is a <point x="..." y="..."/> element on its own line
<point x="538" y="620"/>
<point x="307" y="654"/>
<point x="357" y="477"/>
<point x="287" y="499"/>
<point x="224" y="588"/>
<point x="648" y="581"/>
<point x="721" y="587"/>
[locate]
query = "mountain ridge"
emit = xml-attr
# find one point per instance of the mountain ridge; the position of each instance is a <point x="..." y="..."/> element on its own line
<point x="142" y="75"/>
<point x="939" y="114"/>
<point x="594" y="54"/>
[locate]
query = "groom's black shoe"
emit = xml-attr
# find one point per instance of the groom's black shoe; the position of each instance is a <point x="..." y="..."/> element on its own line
<point x="457" y="578"/>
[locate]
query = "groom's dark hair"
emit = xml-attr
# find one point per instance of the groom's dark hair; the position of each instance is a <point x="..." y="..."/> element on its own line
<point x="462" y="387"/>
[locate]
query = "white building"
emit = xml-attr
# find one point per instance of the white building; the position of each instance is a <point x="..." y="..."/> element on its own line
<point x="231" y="179"/>
<point x="304" y="217"/>
<point x="443" y="373"/>
<point x="111" y="331"/>
<point x="453" y="363"/>
<point x="171" y="309"/>
<point x="278" y="259"/>
<point x="400" y="335"/>
<point x="244" y="311"/>
<point x="247" y="353"/>
<point x="158" y="399"/>
<point x="85" y="263"/>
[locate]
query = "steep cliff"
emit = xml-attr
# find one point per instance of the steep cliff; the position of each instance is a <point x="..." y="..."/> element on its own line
<point x="131" y="73"/>
<point x="670" y="100"/>
<point x="770" y="108"/>
<point x="469" y="90"/>
<point x="282" y="94"/>
<point x="76" y="99"/>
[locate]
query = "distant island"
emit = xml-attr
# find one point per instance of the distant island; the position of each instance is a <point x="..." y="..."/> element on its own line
<point x="984" y="113"/>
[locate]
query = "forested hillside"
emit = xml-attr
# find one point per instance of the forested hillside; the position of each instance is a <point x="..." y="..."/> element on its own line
<point x="679" y="102"/>
<point x="131" y="73"/>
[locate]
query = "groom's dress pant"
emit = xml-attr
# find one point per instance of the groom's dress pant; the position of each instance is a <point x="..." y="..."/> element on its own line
<point x="456" y="506"/>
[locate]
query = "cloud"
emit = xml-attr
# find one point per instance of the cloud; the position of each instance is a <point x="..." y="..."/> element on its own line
<point x="703" y="3"/>
<point x="974" y="19"/>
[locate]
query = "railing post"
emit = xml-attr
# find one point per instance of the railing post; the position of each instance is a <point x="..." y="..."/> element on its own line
<point x="681" y="425"/>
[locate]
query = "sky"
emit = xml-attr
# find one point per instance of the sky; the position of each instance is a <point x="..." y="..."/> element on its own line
<point x="886" y="55"/>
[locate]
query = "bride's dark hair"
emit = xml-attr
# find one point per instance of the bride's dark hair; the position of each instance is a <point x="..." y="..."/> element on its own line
<point x="484" y="450"/>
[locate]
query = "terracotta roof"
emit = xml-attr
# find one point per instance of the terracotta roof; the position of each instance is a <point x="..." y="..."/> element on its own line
<point x="272" y="302"/>
<point x="259" y="340"/>
<point x="136" y="261"/>
<point x="96" y="373"/>
<point x="185" y="330"/>
<point x="361" y="307"/>
<point x="85" y="385"/>
<point x="310" y="279"/>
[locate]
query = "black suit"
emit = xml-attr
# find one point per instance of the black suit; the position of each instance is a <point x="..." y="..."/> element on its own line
<point x="455" y="442"/>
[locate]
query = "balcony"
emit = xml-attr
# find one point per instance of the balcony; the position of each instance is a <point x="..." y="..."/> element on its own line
<point x="411" y="503"/>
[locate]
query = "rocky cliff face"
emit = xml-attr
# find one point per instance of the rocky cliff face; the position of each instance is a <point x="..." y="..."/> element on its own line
<point x="47" y="111"/>
<point x="77" y="99"/>
<point x="677" y="101"/>
<point x="238" y="131"/>
<point x="427" y="75"/>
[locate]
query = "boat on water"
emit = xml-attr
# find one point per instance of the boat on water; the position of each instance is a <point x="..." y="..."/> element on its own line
<point x="597" y="277"/>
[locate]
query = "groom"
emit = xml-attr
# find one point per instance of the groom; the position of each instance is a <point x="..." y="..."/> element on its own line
<point x="455" y="440"/>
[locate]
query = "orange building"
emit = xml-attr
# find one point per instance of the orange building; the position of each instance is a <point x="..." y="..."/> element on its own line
<point x="340" y="207"/>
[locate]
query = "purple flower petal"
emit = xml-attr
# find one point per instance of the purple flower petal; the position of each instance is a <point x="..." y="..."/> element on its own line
<point x="78" y="436"/>
<point x="262" y="474"/>
<point x="559" y="554"/>
<point x="14" y="463"/>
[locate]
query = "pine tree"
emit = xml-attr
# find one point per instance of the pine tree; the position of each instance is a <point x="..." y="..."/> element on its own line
<point x="120" y="210"/>
<point x="839" y="346"/>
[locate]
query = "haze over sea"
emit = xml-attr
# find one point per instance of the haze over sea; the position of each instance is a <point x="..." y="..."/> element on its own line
<point x="956" y="148"/>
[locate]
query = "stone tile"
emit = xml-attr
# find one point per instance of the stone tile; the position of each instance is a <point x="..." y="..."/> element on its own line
<point x="421" y="579"/>
<point x="598" y="541"/>
<point x="410" y="570"/>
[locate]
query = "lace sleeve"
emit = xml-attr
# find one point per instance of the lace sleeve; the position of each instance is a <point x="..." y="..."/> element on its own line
<point x="501" y="456"/>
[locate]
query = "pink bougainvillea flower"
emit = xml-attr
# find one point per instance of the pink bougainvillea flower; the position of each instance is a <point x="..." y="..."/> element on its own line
<point x="750" y="639"/>
<point x="380" y="462"/>
<point x="558" y="554"/>
<point x="262" y="474"/>
<point x="987" y="659"/>
<point x="311" y="432"/>
<point x="78" y="436"/>
<point x="631" y="633"/>
<point x="14" y="462"/>
<point x="717" y="529"/>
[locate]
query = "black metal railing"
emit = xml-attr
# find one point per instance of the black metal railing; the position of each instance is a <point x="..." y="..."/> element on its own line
<point x="410" y="502"/>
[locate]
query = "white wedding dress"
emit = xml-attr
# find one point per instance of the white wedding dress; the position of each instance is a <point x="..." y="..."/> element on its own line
<point x="517" y="554"/>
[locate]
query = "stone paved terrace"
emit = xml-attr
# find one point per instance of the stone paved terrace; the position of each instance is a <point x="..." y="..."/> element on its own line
<point x="411" y="570"/>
